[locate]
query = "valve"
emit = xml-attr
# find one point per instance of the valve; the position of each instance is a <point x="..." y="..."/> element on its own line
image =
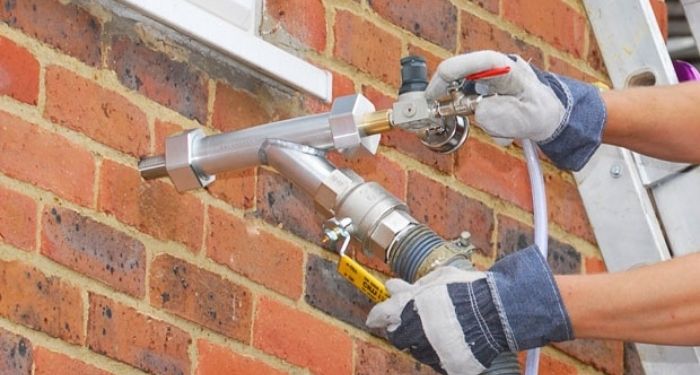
<point x="333" y="231"/>
<point x="441" y="131"/>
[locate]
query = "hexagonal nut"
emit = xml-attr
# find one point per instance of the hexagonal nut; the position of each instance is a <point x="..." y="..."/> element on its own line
<point x="345" y="114"/>
<point x="333" y="187"/>
<point x="387" y="229"/>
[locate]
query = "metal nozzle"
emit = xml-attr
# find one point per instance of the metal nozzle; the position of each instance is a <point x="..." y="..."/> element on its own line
<point x="152" y="167"/>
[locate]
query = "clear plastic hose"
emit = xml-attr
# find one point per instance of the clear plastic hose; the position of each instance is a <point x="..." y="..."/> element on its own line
<point x="539" y="202"/>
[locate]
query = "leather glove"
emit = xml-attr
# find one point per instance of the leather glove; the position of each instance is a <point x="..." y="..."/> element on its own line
<point x="523" y="108"/>
<point x="458" y="321"/>
<point x="564" y="116"/>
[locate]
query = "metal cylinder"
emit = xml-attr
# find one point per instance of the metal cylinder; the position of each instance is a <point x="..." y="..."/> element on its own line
<point x="375" y="123"/>
<point x="304" y="166"/>
<point x="153" y="167"/>
<point x="366" y="205"/>
<point x="237" y="150"/>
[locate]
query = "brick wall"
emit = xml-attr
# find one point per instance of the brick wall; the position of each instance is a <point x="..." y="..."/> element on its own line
<point x="104" y="273"/>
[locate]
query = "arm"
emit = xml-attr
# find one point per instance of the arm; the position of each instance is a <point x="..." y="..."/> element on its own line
<point x="661" y="121"/>
<point x="657" y="304"/>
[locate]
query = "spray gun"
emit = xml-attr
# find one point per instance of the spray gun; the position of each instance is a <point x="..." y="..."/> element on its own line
<point x="353" y="207"/>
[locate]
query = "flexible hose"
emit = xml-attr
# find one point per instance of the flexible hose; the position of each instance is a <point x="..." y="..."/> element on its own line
<point x="539" y="202"/>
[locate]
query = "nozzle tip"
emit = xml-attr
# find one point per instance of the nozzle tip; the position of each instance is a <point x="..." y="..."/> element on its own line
<point x="152" y="167"/>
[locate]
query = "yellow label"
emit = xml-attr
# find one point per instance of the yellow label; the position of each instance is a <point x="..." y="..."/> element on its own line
<point x="362" y="280"/>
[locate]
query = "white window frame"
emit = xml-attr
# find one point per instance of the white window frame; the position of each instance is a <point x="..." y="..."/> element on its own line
<point x="230" y="26"/>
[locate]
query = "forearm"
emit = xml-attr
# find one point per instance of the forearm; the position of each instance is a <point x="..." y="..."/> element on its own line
<point x="655" y="304"/>
<point x="660" y="121"/>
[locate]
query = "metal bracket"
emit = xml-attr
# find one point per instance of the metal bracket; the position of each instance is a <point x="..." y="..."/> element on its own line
<point x="179" y="162"/>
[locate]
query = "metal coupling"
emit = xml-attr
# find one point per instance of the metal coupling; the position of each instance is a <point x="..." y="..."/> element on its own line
<point x="179" y="161"/>
<point x="377" y="216"/>
<point x="346" y="114"/>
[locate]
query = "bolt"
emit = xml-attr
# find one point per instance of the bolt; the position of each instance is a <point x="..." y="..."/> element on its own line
<point x="330" y="237"/>
<point x="616" y="171"/>
<point x="465" y="239"/>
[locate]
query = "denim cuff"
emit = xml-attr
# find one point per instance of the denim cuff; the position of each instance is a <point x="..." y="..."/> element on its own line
<point x="528" y="301"/>
<point x="581" y="130"/>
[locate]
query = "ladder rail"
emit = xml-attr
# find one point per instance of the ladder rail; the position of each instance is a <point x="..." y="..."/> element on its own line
<point x="620" y="189"/>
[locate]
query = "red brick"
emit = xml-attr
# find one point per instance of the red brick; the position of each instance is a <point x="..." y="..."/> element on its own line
<point x="566" y="208"/>
<point x="409" y="144"/>
<point x="19" y="72"/>
<point x="372" y="359"/>
<point x="215" y="360"/>
<point x="661" y="12"/>
<point x="378" y="168"/>
<point x="448" y="212"/>
<point x="237" y="109"/>
<point x="162" y="131"/>
<point x="431" y="60"/>
<point x="301" y="339"/>
<point x="49" y="363"/>
<point x="595" y="265"/>
<point x="66" y="27"/>
<point x="552" y="20"/>
<point x="562" y="67"/>
<point x="255" y="253"/>
<point x="606" y="356"/>
<point x="304" y="20"/>
<point x="379" y="100"/>
<point x="313" y="105"/>
<point x="44" y="303"/>
<point x="514" y="235"/>
<point x="281" y="203"/>
<point x="434" y="20"/>
<point x="45" y="159"/>
<point x="236" y="188"/>
<point x="595" y="56"/>
<point x="122" y="333"/>
<point x="17" y="219"/>
<point x="378" y="56"/>
<point x="553" y="366"/>
<point x="15" y="354"/>
<point x="373" y="261"/>
<point x="102" y="115"/>
<point x="477" y="34"/>
<point x="174" y="84"/>
<point x="490" y="5"/>
<point x="342" y="85"/>
<point x="94" y="249"/>
<point x="490" y="169"/>
<point x="201" y="296"/>
<point x="154" y="207"/>
<point x="331" y="293"/>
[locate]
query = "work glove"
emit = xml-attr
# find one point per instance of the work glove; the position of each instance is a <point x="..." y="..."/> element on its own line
<point x="458" y="321"/>
<point x="564" y="116"/>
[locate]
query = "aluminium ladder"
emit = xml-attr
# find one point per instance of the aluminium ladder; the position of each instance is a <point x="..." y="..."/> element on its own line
<point x="642" y="210"/>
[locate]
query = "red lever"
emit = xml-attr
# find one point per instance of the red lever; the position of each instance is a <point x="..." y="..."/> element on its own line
<point x="489" y="73"/>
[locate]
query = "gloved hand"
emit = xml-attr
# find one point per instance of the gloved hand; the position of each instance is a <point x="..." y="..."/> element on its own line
<point x="458" y="321"/>
<point x="564" y="116"/>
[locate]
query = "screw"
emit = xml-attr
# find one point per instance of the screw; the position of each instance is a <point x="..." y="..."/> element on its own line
<point x="616" y="171"/>
<point x="409" y="111"/>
